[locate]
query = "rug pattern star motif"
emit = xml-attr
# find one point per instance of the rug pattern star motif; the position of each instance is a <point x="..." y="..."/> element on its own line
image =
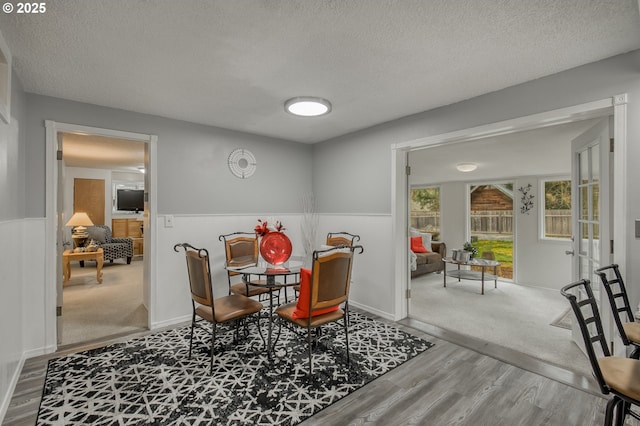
<point x="151" y="380"/>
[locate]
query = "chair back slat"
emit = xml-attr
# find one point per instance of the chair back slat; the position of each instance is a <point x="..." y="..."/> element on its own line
<point x="199" y="271"/>
<point x="336" y="239"/>
<point x="331" y="277"/>
<point x="616" y="292"/>
<point x="199" y="278"/>
<point x="240" y="249"/>
<point x="588" y="318"/>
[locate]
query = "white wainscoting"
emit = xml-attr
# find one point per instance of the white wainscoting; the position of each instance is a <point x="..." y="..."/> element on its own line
<point x="372" y="288"/>
<point x="11" y="309"/>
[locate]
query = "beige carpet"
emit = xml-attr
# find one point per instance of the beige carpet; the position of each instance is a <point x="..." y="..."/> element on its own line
<point x="91" y="310"/>
<point x="512" y="316"/>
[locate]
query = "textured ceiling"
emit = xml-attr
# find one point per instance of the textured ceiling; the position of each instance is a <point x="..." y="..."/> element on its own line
<point x="233" y="63"/>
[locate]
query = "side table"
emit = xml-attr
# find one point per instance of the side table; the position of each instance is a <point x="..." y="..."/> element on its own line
<point x="69" y="255"/>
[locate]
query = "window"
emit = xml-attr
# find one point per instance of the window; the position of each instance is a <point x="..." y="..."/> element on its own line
<point x="556" y="206"/>
<point x="425" y="210"/>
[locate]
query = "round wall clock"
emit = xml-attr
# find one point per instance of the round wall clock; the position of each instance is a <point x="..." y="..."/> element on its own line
<point x="242" y="163"/>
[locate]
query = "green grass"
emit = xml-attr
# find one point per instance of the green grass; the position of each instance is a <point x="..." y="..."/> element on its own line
<point x="503" y="250"/>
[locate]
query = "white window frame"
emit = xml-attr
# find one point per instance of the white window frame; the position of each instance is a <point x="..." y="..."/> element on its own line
<point x="542" y="204"/>
<point x="428" y="186"/>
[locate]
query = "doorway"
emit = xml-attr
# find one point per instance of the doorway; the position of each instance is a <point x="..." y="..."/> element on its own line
<point x="401" y="156"/>
<point x="56" y="220"/>
<point x="104" y="178"/>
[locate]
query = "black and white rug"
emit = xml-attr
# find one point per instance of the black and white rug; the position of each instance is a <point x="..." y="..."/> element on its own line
<point x="151" y="380"/>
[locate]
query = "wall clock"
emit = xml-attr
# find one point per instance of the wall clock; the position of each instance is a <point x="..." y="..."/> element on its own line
<point x="242" y="163"/>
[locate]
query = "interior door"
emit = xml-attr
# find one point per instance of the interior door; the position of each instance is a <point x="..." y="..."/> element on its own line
<point x="590" y="214"/>
<point x="88" y="196"/>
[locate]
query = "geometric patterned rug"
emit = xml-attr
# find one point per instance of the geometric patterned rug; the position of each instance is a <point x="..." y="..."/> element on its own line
<point x="151" y="380"/>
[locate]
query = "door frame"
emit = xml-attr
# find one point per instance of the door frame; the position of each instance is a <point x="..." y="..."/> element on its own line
<point x="615" y="106"/>
<point x="52" y="128"/>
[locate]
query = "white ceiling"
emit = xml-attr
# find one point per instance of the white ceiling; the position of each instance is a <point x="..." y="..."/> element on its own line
<point x="233" y="63"/>
<point x="540" y="152"/>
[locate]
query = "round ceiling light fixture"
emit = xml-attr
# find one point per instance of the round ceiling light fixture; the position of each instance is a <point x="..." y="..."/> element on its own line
<point x="307" y="106"/>
<point x="466" y="167"/>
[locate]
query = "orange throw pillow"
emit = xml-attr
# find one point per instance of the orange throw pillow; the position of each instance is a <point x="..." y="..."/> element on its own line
<point x="416" y="245"/>
<point x="302" y="307"/>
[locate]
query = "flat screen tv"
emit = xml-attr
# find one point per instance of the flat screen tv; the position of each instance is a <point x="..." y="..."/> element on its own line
<point x="131" y="200"/>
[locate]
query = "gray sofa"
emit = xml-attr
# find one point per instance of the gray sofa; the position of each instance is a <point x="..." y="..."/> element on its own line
<point x="430" y="262"/>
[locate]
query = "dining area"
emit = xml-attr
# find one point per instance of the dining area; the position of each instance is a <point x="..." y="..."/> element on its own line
<point x="268" y="289"/>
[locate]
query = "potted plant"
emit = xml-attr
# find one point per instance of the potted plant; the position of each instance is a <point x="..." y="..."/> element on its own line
<point x="471" y="249"/>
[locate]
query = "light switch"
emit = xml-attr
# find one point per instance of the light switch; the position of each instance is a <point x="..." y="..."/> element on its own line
<point x="168" y="221"/>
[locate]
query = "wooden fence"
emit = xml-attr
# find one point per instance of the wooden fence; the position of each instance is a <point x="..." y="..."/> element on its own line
<point x="557" y="222"/>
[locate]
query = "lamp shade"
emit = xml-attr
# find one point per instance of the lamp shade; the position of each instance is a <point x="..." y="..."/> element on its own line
<point x="80" y="219"/>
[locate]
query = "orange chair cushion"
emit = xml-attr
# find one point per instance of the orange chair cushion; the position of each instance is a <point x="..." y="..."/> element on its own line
<point x="417" y="246"/>
<point x="302" y="307"/>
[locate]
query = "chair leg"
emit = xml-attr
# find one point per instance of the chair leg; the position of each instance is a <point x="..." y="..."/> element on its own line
<point x="309" y="346"/>
<point x="346" y="333"/>
<point x="611" y="405"/>
<point x="213" y="340"/>
<point x="621" y="412"/>
<point x="193" y="323"/>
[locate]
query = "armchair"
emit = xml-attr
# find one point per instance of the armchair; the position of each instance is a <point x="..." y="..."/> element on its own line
<point x="113" y="248"/>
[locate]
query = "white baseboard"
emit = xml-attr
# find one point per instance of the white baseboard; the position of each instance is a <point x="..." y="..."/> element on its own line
<point x="6" y="400"/>
<point x="374" y="311"/>
<point x="170" y="322"/>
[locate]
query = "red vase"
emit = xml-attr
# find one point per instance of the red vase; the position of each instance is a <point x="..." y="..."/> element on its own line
<point x="275" y="248"/>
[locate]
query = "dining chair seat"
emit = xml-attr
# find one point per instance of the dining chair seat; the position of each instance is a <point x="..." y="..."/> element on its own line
<point x="228" y="308"/>
<point x="286" y="312"/>
<point x="621" y="375"/>
<point x="251" y="290"/>
<point x="632" y="330"/>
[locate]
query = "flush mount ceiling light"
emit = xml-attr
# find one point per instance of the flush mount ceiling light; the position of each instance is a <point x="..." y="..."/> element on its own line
<point x="307" y="106"/>
<point x="466" y="167"/>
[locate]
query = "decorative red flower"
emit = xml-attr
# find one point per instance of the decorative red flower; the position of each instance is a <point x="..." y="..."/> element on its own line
<point x="262" y="228"/>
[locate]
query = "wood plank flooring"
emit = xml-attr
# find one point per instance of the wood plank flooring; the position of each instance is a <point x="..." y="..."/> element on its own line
<point x="449" y="384"/>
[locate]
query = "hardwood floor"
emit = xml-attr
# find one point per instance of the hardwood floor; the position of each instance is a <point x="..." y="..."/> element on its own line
<point x="448" y="384"/>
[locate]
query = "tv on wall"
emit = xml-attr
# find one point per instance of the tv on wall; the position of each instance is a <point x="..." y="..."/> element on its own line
<point x="131" y="200"/>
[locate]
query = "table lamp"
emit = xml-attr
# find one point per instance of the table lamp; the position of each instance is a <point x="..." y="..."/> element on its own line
<point x="79" y="221"/>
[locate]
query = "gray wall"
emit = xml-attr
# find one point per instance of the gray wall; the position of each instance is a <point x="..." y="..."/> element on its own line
<point x="193" y="177"/>
<point x="366" y="154"/>
<point x="363" y="158"/>
<point x="12" y="157"/>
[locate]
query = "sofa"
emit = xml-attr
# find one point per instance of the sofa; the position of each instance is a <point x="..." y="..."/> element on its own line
<point x="429" y="262"/>
<point x="113" y="248"/>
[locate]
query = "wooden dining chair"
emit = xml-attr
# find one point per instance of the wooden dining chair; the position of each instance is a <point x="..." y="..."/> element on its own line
<point x="335" y="239"/>
<point x="341" y="239"/>
<point x="617" y="376"/>
<point x="214" y="311"/>
<point x="241" y="249"/>
<point x="323" y="290"/>
<point x="628" y="328"/>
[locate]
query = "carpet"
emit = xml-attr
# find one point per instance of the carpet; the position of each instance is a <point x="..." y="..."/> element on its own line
<point x="565" y="320"/>
<point x="150" y="379"/>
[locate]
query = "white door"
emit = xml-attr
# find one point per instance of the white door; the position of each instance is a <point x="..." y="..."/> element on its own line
<point x="590" y="213"/>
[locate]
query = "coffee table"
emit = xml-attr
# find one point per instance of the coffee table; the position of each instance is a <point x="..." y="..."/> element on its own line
<point x="69" y="255"/>
<point x="472" y="275"/>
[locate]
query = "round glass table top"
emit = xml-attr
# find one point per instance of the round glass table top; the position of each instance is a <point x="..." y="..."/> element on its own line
<point x="263" y="268"/>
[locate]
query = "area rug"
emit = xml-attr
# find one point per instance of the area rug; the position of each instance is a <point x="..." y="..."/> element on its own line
<point x="151" y="380"/>
<point x="565" y="320"/>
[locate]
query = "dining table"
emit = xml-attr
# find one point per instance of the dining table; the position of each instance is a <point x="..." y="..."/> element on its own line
<point x="288" y="271"/>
